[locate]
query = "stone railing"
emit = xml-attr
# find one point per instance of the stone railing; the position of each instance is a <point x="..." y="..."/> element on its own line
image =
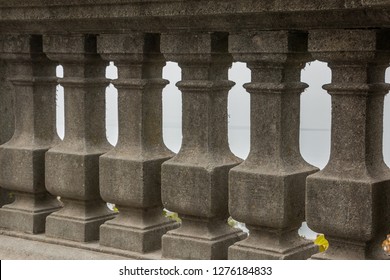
<point x="273" y="191"/>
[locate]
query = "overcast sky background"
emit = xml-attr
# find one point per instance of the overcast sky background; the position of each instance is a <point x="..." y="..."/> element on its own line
<point x="315" y="112"/>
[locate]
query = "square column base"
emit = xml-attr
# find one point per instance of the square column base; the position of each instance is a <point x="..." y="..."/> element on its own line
<point x="73" y="229"/>
<point x="273" y="244"/>
<point x="24" y="221"/>
<point x="351" y="250"/>
<point x="78" y="221"/>
<point x="141" y="240"/>
<point x="28" y="213"/>
<point x="240" y="251"/>
<point x="176" y="245"/>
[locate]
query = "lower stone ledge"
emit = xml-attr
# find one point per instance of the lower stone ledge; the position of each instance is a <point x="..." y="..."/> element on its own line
<point x="24" y="246"/>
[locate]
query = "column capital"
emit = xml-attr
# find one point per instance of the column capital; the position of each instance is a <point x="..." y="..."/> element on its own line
<point x="138" y="58"/>
<point x="84" y="67"/>
<point x="25" y="52"/>
<point x="70" y="47"/>
<point x="196" y="48"/>
<point x="262" y="47"/>
<point x="342" y="46"/>
<point x="350" y="54"/>
<point x="275" y="58"/>
<point x="22" y="49"/>
<point x="15" y="46"/>
<point x="130" y="48"/>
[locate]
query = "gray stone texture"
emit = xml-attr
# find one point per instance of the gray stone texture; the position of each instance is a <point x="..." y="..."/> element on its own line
<point x="22" y="158"/>
<point x="113" y="16"/>
<point x="72" y="166"/>
<point x="7" y="121"/>
<point x="349" y="199"/>
<point x="130" y="174"/>
<point x="12" y="248"/>
<point x="195" y="181"/>
<point x="267" y="191"/>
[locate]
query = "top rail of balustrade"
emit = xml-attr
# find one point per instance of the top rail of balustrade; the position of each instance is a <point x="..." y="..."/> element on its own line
<point x="37" y="16"/>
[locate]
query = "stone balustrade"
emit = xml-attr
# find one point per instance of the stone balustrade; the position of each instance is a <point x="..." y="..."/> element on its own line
<point x="59" y="188"/>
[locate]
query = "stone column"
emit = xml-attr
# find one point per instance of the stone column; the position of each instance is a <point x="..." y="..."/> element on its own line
<point x="22" y="158"/>
<point x="130" y="174"/>
<point x="72" y="167"/>
<point x="7" y="121"/>
<point x="195" y="181"/>
<point x="267" y="191"/>
<point x="349" y="199"/>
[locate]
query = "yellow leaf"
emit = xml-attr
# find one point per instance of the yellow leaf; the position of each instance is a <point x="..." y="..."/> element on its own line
<point x="172" y="215"/>
<point x="231" y="222"/>
<point x="386" y="244"/>
<point x="321" y="242"/>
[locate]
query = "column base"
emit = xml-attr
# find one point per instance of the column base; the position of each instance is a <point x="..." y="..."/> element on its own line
<point x="350" y="250"/>
<point x="28" y="212"/>
<point x="272" y="246"/>
<point x="78" y="221"/>
<point x="350" y="211"/>
<point x="195" y="241"/>
<point x="136" y="230"/>
<point x="242" y="252"/>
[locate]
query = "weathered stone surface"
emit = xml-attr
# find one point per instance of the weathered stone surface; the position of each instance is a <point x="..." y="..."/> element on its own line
<point x="200" y="239"/>
<point x="72" y="167"/>
<point x="22" y="158"/>
<point x="162" y="16"/>
<point x="349" y="199"/>
<point x="267" y="191"/>
<point x="195" y="181"/>
<point x="272" y="244"/>
<point x="130" y="174"/>
<point x="7" y="122"/>
<point x="13" y="248"/>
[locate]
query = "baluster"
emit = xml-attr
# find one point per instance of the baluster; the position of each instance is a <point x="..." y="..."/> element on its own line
<point x="195" y="181"/>
<point x="267" y="191"/>
<point x="130" y="174"/>
<point x="349" y="199"/>
<point x="22" y="158"/>
<point x="6" y="120"/>
<point x="72" y="167"/>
